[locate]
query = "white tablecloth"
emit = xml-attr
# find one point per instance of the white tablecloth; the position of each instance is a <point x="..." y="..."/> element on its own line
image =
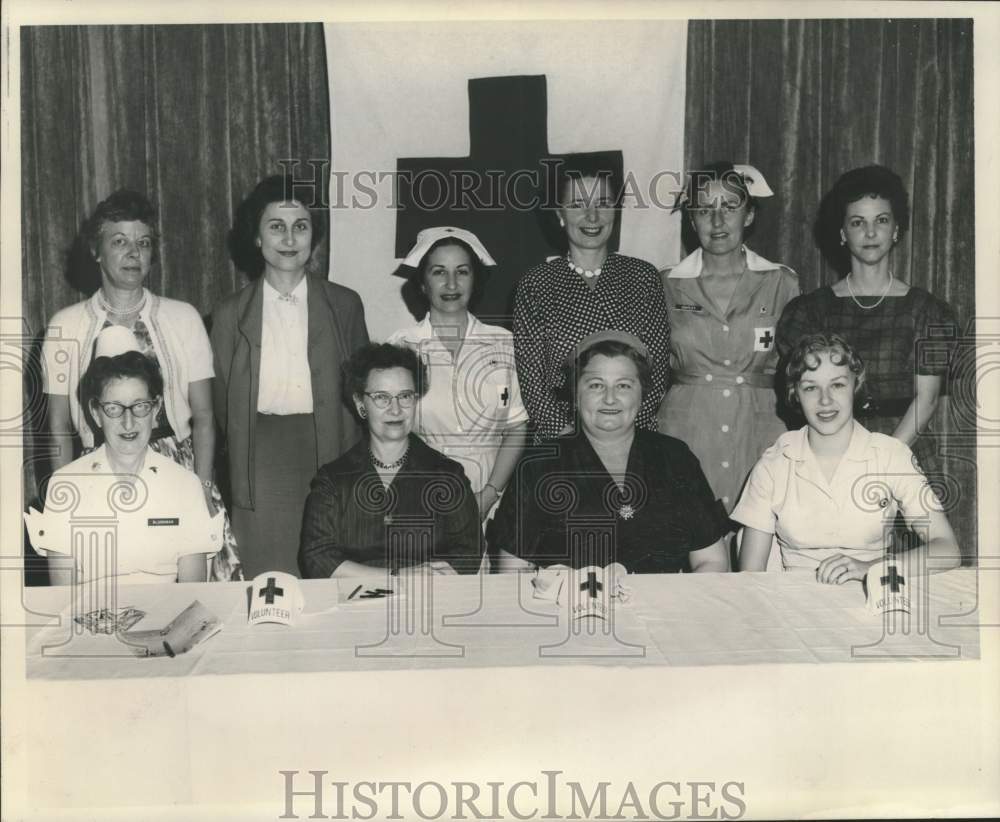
<point x="703" y="619"/>
<point x="110" y="734"/>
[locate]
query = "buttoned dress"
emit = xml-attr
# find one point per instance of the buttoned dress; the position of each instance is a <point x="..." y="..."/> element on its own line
<point x="472" y="398"/>
<point x="155" y="518"/>
<point x="721" y="401"/>
<point x="853" y="513"/>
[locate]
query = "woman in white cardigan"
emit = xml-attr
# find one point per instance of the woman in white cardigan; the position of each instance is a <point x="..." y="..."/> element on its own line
<point x="121" y="237"/>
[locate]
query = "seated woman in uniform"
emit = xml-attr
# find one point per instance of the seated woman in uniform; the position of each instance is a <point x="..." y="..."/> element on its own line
<point x="391" y="502"/>
<point x="831" y="490"/>
<point x="155" y="507"/>
<point x="622" y="494"/>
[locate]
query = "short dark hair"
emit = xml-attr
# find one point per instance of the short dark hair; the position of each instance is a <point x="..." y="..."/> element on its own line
<point x="243" y="236"/>
<point x="805" y="357"/>
<point x="129" y="365"/>
<point x="413" y="292"/>
<point x="379" y="357"/>
<point x="852" y="186"/>
<point x="123" y="205"/>
<point x="572" y="370"/>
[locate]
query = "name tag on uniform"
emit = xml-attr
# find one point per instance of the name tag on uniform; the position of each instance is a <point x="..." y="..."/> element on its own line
<point x="687" y="307"/>
<point x="154" y="521"/>
<point x="763" y="338"/>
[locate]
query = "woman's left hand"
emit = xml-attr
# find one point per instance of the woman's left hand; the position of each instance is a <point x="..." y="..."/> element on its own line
<point x="839" y="568"/>
<point x="485" y="499"/>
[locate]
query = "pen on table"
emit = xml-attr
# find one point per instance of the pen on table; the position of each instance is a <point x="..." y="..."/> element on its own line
<point x="355" y="591"/>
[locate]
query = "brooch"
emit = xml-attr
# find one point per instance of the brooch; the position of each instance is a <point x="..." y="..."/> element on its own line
<point x="626" y="512"/>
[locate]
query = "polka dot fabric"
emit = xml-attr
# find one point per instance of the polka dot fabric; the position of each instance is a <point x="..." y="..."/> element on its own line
<point x="555" y="308"/>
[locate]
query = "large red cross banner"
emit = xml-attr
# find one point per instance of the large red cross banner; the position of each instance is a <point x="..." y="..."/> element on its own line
<point x="458" y="123"/>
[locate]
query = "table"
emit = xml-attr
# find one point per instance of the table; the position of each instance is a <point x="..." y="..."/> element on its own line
<point x="681" y="697"/>
<point x="492" y="620"/>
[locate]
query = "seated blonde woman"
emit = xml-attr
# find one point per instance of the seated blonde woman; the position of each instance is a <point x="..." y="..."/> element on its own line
<point x="154" y="507"/>
<point x="830" y="492"/>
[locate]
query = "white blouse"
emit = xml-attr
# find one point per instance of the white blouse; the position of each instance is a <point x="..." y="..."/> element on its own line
<point x="788" y="495"/>
<point x="471" y="399"/>
<point x="285" y="379"/>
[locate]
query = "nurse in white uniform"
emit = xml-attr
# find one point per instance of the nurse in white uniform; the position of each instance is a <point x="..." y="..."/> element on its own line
<point x="124" y="495"/>
<point x="472" y="411"/>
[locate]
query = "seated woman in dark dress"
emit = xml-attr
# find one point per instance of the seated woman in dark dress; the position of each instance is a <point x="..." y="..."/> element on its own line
<point x="610" y="492"/>
<point x="391" y="502"/>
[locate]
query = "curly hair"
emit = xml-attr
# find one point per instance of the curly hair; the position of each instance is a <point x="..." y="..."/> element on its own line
<point x="572" y="370"/>
<point x="413" y="291"/>
<point x="852" y="186"/>
<point x="805" y="357"/>
<point x="122" y="206"/>
<point x="246" y="226"/>
<point x="129" y="365"/>
<point x="379" y="357"/>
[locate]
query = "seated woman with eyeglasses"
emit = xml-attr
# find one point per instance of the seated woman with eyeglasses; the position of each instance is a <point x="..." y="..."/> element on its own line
<point x="391" y="502"/>
<point x="154" y="507"/>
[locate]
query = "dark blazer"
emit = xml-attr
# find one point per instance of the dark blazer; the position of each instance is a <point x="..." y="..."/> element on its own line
<point x="350" y="515"/>
<point x="336" y="330"/>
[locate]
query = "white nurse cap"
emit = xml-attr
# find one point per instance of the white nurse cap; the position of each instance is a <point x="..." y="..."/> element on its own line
<point x="115" y="340"/>
<point x="429" y="236"/>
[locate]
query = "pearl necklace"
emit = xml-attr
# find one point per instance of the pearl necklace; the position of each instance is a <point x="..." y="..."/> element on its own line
<point x="120" y="312"/>
<point x="584" y="272"/>
<point x="877" y="303"/>
<point x="389" y="466"/>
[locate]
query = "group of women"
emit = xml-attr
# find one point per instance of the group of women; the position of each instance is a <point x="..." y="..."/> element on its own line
<point x="346" y="456"/>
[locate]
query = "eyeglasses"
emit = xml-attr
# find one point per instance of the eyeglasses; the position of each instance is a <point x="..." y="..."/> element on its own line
<point x="138" y="409"/>
<point x="383" y="399"/>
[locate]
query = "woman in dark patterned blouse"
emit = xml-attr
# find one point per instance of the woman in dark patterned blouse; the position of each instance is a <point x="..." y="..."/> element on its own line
<point x="861" y="220"/>
<point x="589" y="289"/>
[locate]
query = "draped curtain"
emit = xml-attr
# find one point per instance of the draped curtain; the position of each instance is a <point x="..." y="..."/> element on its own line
<point x="192" y="116"/>
<point x="806" y="100"/>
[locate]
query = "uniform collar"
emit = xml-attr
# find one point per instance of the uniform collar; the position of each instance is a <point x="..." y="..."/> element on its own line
<point x="796" y="447"/>
<point x="425" y="331"/>
<point x="98" y="462"/>
<point x="692" y="264"/>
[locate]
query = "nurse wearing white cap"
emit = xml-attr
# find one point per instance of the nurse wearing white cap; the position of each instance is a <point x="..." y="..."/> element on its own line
<point x="723" y="302"/>
<point x="472" y="411"/>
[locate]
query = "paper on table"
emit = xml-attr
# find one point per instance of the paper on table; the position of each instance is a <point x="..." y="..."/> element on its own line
<point x="193" y="625"/>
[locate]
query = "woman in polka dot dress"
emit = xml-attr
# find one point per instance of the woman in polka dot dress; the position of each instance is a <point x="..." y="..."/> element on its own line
<point x="724" y="301"/>
<point x="587" y="290"/>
